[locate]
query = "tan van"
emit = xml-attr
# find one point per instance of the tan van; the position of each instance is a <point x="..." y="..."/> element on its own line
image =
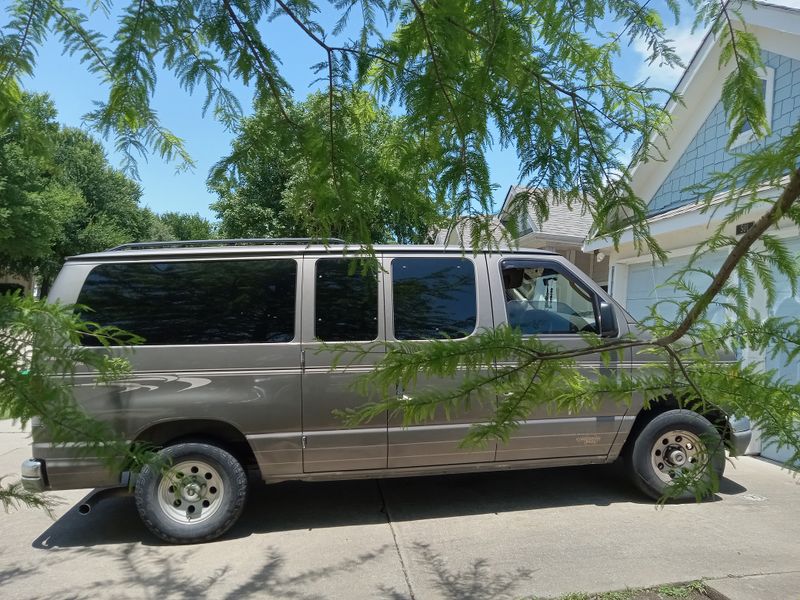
<point x="232" y="376"/>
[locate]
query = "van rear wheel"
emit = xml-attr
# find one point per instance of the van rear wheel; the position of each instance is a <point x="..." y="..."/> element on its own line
<point x="675" y="442"/>
<point x="196" y="495"/>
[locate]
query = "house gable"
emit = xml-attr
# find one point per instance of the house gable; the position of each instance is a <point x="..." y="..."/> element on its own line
<point x="693" y="145"/>
<point x="706" y="152"/>
<point x="778" y="31"/>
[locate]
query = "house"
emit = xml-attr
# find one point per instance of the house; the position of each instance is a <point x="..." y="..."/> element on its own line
<point x="694" y="147"/>
<point x="460" y="233"/>
<point x="563" y="231"/>
<point x="11" y="283"/>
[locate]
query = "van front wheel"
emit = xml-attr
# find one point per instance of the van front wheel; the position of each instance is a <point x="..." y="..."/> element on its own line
<point x="195" y="495"/>
<point x="674" y="443"/>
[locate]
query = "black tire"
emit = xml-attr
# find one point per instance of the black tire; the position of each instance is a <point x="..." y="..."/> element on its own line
<point x="657" y="434"/>
<point x="227" y="494"/>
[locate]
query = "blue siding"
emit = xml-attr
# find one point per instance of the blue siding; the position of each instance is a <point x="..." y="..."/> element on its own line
<point x="706" y="152"/>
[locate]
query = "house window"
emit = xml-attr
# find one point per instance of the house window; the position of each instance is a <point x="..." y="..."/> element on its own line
<point x="767" y="88"/>
<point x="523" y="221"/>
<point x="525" y="224"/>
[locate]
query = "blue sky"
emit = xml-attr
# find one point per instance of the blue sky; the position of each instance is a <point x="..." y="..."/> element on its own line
<point x="164" y="189"/>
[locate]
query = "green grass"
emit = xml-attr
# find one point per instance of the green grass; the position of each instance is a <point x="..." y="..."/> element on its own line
<point x="681" y="591"/>
<point x="693" y="589"/>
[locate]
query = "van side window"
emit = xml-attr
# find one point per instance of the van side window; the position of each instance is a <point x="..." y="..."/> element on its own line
<point x="197" y="302"/>
<point x="540" y="299"/>
<point x="433" y="298"/>
<point x="345" y="301"/>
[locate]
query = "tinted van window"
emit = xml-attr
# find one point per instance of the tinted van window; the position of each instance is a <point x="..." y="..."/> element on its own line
<point x="433" y="298"/>
<point x="345" y="301"/>
<point x="203" y="302"/>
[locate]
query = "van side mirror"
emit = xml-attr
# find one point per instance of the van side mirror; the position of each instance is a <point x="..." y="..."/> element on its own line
<point x="608" y="320"/>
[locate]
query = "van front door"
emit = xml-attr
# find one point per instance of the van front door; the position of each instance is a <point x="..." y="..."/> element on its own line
<point x="545" y="297"/>
<point x="341" y="304"/>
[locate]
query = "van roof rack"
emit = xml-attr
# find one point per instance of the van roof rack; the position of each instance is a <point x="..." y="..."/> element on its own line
<point x="225" y="242"/>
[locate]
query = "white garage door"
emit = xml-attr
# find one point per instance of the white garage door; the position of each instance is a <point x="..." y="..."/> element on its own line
<point x="786" y="305"/>
<point x="646" y="286"/>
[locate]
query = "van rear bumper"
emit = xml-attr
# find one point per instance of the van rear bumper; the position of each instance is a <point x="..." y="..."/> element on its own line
<point x="740" y="434"/>
<point x="32" y="472"/>
<point x="39" y="475"/>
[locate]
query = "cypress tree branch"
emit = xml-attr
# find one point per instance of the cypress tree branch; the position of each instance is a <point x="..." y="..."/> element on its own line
<point x="262" y="67"/>
<point x="58" y="9"/>
<point x="22" y="43"/>
<point x="331" y="85"/>
<point x="724" y="11"/>
<point x="437" y="72"/>
<point x="787" y="198"/>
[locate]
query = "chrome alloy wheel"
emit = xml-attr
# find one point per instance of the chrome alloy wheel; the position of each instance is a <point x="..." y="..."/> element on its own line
<point x="673" y="452"/>
<point x="190" y="492"/>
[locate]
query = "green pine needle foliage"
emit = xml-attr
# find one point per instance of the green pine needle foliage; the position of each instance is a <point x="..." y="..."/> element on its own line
<point x="464" y="76"/>
<point x="467" y="75"/>
<point x="40" y="354"/>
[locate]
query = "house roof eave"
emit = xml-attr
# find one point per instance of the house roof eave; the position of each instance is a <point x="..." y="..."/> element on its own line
<point x="684" y="217"/>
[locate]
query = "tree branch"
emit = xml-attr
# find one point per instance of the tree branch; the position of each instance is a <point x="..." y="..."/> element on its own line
<point x="787" y="198"/>
<point x="186" y="40"/>
<point x="303" y="26"/>
<point x="435" y="63"/>
<point x="263" y="69"/>
<point x="329" y="55"/>
<point x="23" y="41"/>
<point x="724" y="10"/>
<point x="86" y="41"/>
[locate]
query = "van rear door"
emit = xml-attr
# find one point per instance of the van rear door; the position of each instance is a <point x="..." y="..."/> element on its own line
<point x="342" y="303"/>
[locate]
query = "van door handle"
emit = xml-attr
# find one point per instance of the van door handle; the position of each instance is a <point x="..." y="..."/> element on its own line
<point x="401" y="394"/>
<point x="607" y="371"/>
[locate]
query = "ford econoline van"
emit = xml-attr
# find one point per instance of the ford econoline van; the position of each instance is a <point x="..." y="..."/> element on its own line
<point x="236" y="375"/>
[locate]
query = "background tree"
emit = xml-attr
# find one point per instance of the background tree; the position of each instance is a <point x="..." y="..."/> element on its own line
<point x="59" y="195"/>
<point x="109" y="213"/>
<point x="269" y="187"/>
<point x="34" y="205"/>
<point x="184" y="226"/>
<point x="466" y="75"/>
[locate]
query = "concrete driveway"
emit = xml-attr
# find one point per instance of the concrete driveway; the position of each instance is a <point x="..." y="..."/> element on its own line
<point x="491" y="535"/>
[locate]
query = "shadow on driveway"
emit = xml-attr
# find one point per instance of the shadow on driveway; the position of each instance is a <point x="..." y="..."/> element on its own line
<point x="301" y="505"/>
<point x="136" y="571"/>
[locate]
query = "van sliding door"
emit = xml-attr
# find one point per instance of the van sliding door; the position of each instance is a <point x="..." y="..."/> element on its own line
<point x="437" y="297"/>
